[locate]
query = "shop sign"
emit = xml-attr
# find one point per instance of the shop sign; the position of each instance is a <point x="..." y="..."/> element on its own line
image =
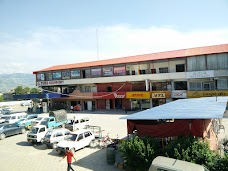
<point x="45" y="83"/>
<point x="179" y="94"/>
<point x="115" y="95"/>
<point x="158" y="96"/>
<point x="193" y="94"/>
<point x="200" y="74"/>
<point x="138" y="95"/>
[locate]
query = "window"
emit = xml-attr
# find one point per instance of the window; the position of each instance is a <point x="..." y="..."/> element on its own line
<point x="42" y="129"/>
<point x="133" y="72"/>
<point x="180" y="68"/>
<point x="59" y="134"/>
<point x="52" y="119"/>
<point x="57" y="75"/>
<point x="48" y="76"/>
<point x="75" y="73"/>
<point x="127" y="72"/>
<point x="40" y="77"/>
<point x="67" y="133"/>
<point x="87" y="134"/>
<point x="153" y="71"/>
<point x="180" y="85"/>
<point x="159" y="86"/>
<point x="96" y="72"/>
<point x="119" y="70"/>
<point x="142" y="71"/>
<point x="107" y="71"/>
<point x="194" y="86"/>
<point x="66" y="74"/>
<point x="80" y="137"/>
<point x="208" y="86"/>
<point x="163" y="70"/>
<point x="109" y="88"/>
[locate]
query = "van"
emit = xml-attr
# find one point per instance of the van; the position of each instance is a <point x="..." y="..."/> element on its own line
<point x="12" y="118"/>
<point x="161" y="163"/>
<point x="54" y="136"/>
<point x="77" y="122"/>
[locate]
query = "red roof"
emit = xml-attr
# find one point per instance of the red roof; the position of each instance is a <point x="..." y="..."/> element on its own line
<point x="146" y="57"/>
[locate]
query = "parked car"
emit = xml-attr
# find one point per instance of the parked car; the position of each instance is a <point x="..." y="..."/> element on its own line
<point x="37" y="133"/>
<point x="25" y="103"/>
<point x="7" y="110"/>
<point x="170" y="164"/>
<point x="26" y="121"/>
<point x="54" y="136"/>
<point x="12" y="118"/>
<point x="38" y="120"/>
<point x="79" y="139"/>
<point x="10" y="129"/>
<point x="77" y="122"/>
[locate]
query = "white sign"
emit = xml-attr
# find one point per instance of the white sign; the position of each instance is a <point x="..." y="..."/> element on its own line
<point x="200" y="74"/>
<point x="118" y="96"/>
<point x="179" y="94"/>
<point x="45" y="83"/>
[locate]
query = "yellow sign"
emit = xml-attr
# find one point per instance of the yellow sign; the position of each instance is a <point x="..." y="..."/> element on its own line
<point x="158" y="95"/>
<point x="138" y="95"/>
<point x="213" y="93"/>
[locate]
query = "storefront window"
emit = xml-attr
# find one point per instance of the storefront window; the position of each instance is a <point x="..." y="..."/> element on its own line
<point x="96" y="72"/>
<point x="107" y="71"/>
<point x="40" y="77"/>
<point x="120" y="70"/>
<point x="194" y="86"/>
<point x="180" y="85"/>
<point x="159" y="86"/>
<point x="66" y="74"/>
<point x="75" y="73"/>
<point x="57" y="75"/>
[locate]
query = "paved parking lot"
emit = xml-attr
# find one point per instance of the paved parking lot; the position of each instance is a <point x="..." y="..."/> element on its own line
<point x="18" y="154"/>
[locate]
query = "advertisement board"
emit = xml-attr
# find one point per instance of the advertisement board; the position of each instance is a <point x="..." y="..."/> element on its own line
<point x="75" y="73"/>
<point x="212" y="93"/>
<point x="119" y="70"/>
<point x="200" y="74"/>
<point x="138" y="95"/>
<point x="57" y="75"/>
<point x="96" y="72"/>
<point x="108" y="71"/>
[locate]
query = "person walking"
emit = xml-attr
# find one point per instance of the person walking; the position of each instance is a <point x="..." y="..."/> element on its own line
<point x="69" y="156"/>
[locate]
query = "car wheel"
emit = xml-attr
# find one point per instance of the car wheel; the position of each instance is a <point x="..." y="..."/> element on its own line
<point x="92" y="143"/>
<point x="23" y="130"/>
<point x="2" y="136"/>
<point x="54" y="145"/>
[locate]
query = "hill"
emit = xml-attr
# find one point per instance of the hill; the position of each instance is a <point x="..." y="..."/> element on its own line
<point x="11" y="81"/>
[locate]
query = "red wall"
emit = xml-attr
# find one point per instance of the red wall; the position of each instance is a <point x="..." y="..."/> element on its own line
<point x="139" y="87"/>
<point x="115" y="86"/>
<point x="101" y="104"/>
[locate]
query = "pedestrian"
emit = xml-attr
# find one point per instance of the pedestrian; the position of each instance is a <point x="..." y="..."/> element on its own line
<point x="69" y="155"/>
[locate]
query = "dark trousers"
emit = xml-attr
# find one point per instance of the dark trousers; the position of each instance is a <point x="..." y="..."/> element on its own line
<point x="69" y="167"/>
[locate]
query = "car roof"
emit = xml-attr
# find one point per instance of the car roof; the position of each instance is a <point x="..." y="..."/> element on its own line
<point x="58" y="129"/>
<point x="81" y="131"/>
<point x="166" y="162"/>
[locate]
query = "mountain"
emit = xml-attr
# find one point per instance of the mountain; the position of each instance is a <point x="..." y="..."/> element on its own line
<point x="11" y="81"/>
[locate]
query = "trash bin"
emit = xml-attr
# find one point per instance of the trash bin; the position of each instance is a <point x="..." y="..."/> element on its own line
<point x="111" y="155"/>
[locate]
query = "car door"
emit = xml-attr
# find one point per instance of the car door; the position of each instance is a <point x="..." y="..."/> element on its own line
<point x="15" y="129"/>
<point x="59" y="136"/>
<point x="80" y="141"/>
<point x="8" y="130"/>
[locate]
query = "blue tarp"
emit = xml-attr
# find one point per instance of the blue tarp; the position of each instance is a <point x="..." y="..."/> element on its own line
<point x="37" y="96"/>
<point x="194" y="108"/>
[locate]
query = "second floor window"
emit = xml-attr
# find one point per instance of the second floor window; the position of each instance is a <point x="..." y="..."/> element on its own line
<point x="142" y="71"/>
<point x="153" y="71"/>
<point x="163" y="70"/>
<point x="180" y="68"/>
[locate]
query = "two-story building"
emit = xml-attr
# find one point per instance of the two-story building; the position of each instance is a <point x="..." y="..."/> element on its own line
<point x="138" y="82"/>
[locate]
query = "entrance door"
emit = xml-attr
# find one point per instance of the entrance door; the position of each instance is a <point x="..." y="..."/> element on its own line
<point x="118" y="103"/>
<point x="89" y="105"/>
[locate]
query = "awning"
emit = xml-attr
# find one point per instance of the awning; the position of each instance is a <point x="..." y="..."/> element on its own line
<point x="194" y="108"/>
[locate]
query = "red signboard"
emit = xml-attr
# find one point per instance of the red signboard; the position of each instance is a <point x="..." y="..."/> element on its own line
<point x="109" y="95"/>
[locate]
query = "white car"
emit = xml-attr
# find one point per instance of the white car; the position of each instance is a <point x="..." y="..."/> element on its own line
<point x="7" y="110"/>
<point x="38" y="120"/>
<point x="37" y="133"/>
<point x="79" y="139"/>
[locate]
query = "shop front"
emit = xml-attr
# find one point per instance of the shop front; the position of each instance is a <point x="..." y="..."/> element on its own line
<point x="160" y="97"/>
<point x="211" y="93"/>
<point x="139" y="100"/>
<point x="111" y="100"/>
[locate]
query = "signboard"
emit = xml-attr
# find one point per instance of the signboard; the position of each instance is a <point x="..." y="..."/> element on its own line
<point x="138" y="95"/>
<point x="200" y="74"/>
<point x="96" y="72"/>
<point x="158" y="96"/>
<point x="75" y="73"/>
<point x="213" y="93"/>
<point x="45" y="83"/>
<point x="108" y="71"/>
<point x="182" y="94"/>
<point x="115" y="95"/>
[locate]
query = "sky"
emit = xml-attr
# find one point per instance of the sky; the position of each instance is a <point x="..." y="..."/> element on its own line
<point x="38" y="34"/>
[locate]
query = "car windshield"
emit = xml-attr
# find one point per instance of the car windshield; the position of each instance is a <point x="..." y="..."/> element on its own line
<point x="39" y="119"/>
<point x="46" y="119"/>
<point x="22" y="119"/>
<point x="34" y="130"/>
<point x="48" y="134"/>
<point x="6" y="117"/>
<point x="72" y="137"/>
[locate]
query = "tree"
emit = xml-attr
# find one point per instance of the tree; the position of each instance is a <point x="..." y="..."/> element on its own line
<point x="34" y="90"/>
<point x="1" y="98"/>
<point x="19" y="90"/>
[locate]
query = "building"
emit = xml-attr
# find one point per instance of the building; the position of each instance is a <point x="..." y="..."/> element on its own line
<point x="138" y="82"/>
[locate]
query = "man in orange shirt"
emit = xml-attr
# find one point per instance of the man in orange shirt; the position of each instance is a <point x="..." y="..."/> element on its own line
<point x="69" y="155"/>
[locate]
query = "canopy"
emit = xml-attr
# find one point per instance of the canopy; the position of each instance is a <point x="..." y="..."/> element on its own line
<point x="194" y="108"/>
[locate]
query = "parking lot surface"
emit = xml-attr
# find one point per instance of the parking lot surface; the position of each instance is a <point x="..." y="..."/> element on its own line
<point x="19" y="155"/>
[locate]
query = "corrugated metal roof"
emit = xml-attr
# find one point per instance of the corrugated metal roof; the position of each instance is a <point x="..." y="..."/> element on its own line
<point x="195" y="108"/>
<point x="146" y="57"/>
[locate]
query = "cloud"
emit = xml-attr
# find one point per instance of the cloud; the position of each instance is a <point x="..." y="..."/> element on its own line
<point x="55" y="46"/>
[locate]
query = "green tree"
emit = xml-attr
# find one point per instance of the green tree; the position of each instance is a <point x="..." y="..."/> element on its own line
<point x="19" y="90"/>
<point x="1" y="98"/>
<point x="34" y="90"/>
